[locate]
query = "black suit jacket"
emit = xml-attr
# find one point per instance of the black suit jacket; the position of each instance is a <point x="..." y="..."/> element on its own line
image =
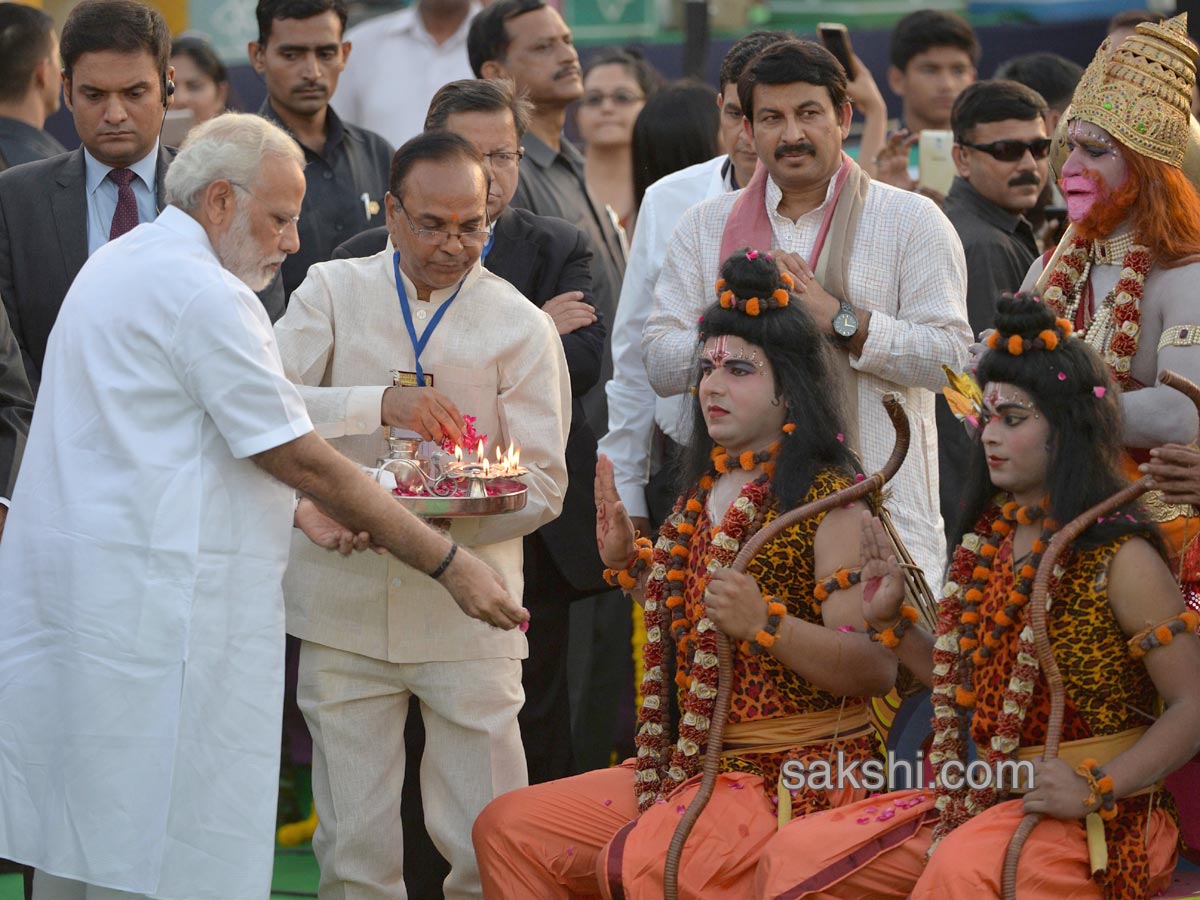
<point x="16" y="407"/>
<point x="543" y="257"/>
<point x="43" y="244"/>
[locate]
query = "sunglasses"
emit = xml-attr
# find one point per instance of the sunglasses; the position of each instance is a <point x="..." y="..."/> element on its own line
<point x="1011" y="151"/>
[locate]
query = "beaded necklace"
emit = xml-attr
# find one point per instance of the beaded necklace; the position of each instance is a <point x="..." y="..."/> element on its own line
<point x="661" y="768"/>
<point x="1116" y="327"/>
<point x="959" y="650"/>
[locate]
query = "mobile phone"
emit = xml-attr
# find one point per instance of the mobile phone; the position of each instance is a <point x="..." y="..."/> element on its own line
<point x="934" y="162"/>
<point x="836" y="39"/>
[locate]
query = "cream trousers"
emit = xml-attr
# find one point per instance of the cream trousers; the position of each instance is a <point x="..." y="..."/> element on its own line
<point x="355" y="707"/>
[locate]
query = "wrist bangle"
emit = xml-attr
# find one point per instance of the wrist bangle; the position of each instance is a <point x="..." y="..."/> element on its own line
<point x="445" y="563"/>
<point x="891" y="636"/>
<point x="765" y="638"/>
<point x="627" y="578"/>
<point x="1100" y="787"/>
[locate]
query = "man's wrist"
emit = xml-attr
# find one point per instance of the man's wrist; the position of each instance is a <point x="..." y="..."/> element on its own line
<point x="856" y="344"/>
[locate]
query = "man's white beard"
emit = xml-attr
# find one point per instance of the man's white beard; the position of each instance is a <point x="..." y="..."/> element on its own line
<point x="239" y="253"/>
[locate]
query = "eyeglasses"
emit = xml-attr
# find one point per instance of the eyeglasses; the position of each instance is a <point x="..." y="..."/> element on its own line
<point x="505" y="159"/>
<point x="1011" y="151"/>
<point x="438" y="236"/>
<point x="619" y="98"/>
<point x="280" y="221"/>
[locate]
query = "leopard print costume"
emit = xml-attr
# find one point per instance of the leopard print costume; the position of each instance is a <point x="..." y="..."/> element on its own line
<point x="1106" y="690"/>
<point x="763" y="688"/>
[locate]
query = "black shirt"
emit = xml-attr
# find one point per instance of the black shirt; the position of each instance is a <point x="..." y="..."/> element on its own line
<point x="552" y="184"/>
<point x="20" y="143"/>
<point x="999" y="247"/>
<point x="355" y="162"/>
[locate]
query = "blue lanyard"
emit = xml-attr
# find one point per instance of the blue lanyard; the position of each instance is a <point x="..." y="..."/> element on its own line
<point x="418" y="345"/>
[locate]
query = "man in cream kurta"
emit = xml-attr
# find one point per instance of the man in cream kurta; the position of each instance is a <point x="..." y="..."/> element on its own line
<point x="377" y="632"/>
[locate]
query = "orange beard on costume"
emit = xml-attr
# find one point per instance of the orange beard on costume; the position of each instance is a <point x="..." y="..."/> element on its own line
<point x="1110" y="209"/>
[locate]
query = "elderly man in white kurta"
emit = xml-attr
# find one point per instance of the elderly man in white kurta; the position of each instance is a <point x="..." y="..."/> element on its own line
<point x="889" y="287"/>
<point x="375" y="632"/>
<point x="141" y="656"/>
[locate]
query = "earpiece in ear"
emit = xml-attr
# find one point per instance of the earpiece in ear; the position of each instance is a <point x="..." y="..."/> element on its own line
<point x="170" y="87"/>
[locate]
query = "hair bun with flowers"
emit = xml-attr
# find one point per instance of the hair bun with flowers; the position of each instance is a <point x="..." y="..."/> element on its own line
<point x="1022" y="327"/>
<point x="751" y="283"/>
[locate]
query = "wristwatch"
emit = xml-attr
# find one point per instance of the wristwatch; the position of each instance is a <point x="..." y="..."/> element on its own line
<point x="845" y="323"/>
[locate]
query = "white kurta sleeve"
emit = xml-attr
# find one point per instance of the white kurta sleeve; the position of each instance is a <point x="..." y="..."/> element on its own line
<point x="930" y="326"/>
<point x="630" y="396"/>
<point x="306" y="340"/>
<point x="680" y="296"/>
<point x="224" y="353"/>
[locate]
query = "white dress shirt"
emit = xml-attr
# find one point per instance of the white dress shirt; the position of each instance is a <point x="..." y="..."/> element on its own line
<point x="499" y="358"/>
<point x="633" y="407"/>
<point x="141" y="657"/>
<point x="395" y="68"/>
<point x="102" y="195"/>
<point x="908" y="269"/>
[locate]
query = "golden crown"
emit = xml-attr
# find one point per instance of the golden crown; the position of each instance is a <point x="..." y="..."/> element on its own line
<point x="1141" y="91"/>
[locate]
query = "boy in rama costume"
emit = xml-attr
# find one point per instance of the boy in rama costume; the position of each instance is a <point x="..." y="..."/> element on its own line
<point x="771" y="440"/>
<point x="1049" y="450"/>
<point x="1125" y="273"/>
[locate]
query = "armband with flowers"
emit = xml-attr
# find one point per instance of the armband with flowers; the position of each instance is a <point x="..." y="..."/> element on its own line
<point x="1163" y="633"/>
<point x="841" y="580"/>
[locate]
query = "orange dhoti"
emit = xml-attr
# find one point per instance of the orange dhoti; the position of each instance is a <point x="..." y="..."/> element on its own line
<point x="582" y="837"/>
<point x="877" y="848"/>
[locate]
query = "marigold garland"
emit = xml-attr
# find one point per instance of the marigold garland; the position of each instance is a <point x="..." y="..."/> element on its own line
<point x="660" y="769"/>
<point x="957" y="650"/>
<point x="1120" y="315"/>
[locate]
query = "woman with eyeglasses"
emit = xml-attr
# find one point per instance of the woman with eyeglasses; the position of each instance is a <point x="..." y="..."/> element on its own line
<point x="615" y="88"/>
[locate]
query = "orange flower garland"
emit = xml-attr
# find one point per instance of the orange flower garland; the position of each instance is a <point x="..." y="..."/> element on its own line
<point x="958" y="649"/>
<point x="657" y="772"/>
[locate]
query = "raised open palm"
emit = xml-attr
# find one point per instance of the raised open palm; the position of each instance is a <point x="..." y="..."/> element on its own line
<point x="614" y="528"/>
<point x="883" y="582"/>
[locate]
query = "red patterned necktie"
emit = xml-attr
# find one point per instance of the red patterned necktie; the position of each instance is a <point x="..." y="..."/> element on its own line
<point x="126" y="216"/>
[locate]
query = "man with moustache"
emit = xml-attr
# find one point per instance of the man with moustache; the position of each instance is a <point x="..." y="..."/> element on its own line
<point x="141" y="661"/>
<point x="1125" y="273"/>
<point x="300" y="53"/>
<point x="1001" y="150"/>
<point x="633" y="408"/>
<point x="887" y="285"/>
<point x="377" y="635"/>
<point x="1002" y="154"/>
